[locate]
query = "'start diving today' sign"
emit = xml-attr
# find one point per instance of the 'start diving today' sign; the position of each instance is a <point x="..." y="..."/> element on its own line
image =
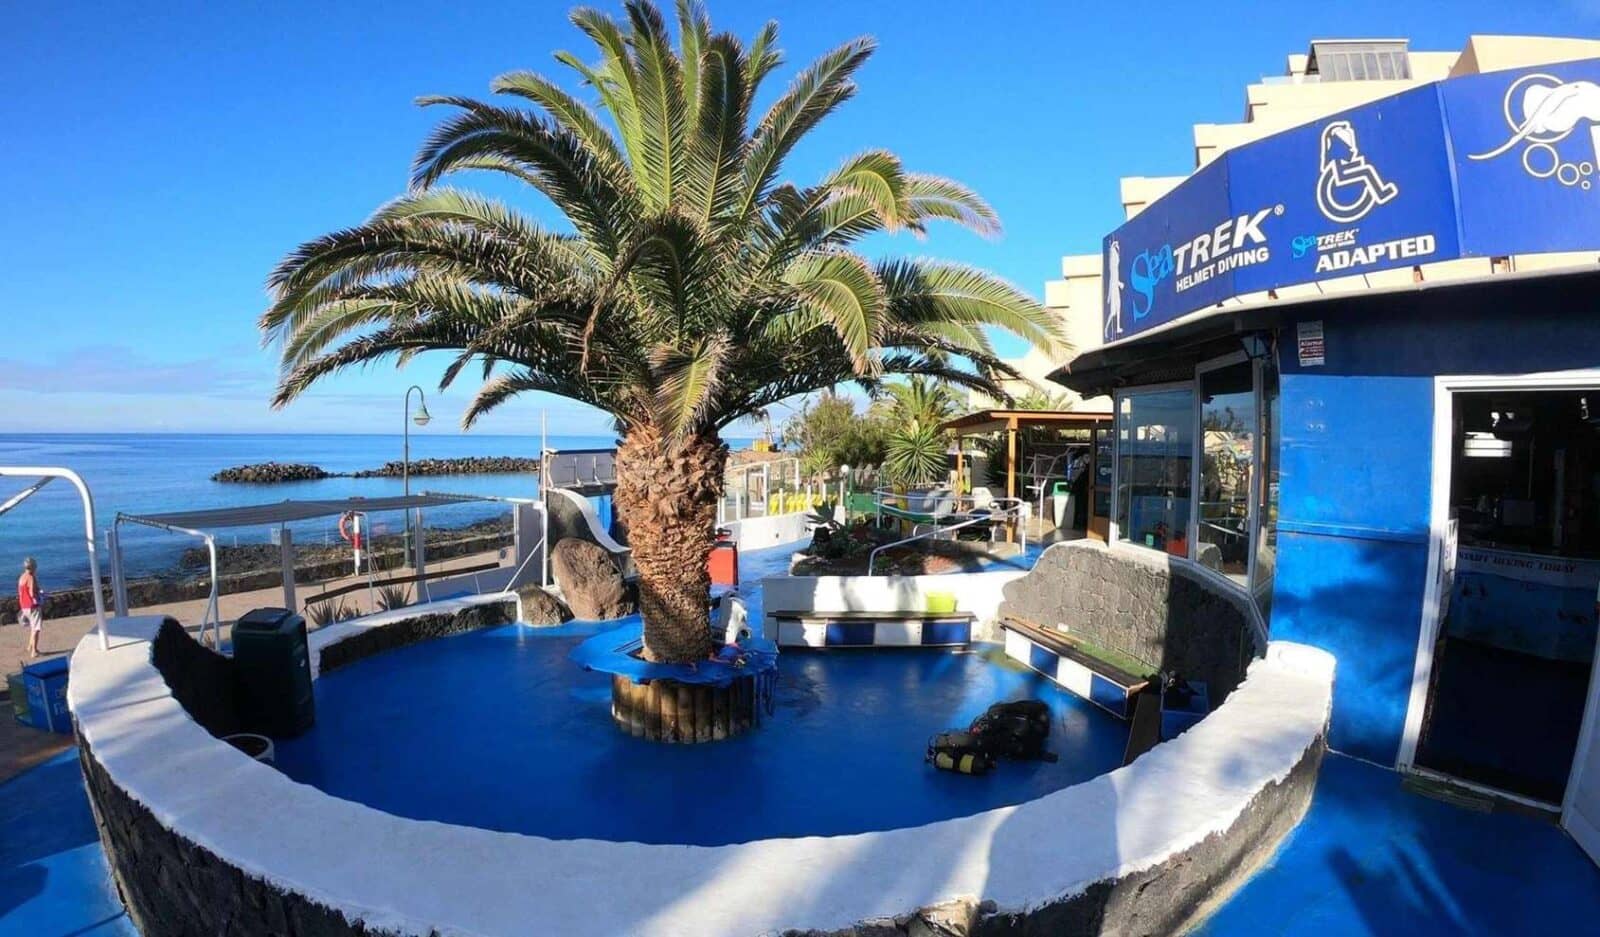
<point x="1477" y="166"/>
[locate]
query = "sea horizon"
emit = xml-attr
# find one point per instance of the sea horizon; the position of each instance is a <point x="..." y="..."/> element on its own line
<point x="152" y="472"/>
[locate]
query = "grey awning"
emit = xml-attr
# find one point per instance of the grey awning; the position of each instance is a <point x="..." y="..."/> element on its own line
<point x="280" y="512"/>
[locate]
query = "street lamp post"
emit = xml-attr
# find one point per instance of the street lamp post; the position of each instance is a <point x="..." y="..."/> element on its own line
<point x="421" y="419"/>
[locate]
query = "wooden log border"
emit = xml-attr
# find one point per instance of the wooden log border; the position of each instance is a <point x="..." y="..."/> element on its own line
<point x="685" y="713"/>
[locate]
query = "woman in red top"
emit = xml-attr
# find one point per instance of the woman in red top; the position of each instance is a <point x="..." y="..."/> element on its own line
<point x="28" y="600"/>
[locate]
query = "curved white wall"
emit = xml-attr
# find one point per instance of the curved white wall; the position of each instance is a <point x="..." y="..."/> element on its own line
<point x="385" y="871"/>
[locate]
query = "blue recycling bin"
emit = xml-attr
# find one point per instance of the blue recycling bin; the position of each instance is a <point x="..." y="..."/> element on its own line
<point x="1183" y="708"/>
<point x="44" y="687"/>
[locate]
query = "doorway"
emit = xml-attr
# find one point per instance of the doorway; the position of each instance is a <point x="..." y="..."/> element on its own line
<point x="1512" y="649"/>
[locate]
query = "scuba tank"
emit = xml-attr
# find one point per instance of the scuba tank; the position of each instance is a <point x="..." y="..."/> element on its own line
<point x="960" y="752"/>
<point x="1016" y="730"/>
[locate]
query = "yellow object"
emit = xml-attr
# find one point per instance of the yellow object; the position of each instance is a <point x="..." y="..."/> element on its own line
<point x="965" y="764"/>
<point x="941" y="602"/>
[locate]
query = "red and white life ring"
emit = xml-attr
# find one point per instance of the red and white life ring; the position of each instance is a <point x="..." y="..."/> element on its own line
<point x="350" y="528"/>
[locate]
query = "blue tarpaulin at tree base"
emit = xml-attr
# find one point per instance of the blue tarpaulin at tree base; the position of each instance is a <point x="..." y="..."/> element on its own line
<point x="616" y="652"/>
<point x="1477" y="166"/>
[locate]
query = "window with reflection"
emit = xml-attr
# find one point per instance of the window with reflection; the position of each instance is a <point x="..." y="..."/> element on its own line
<point x="1227" y="464"/>
<point x="1267" y="506"/>
<point x="1155" y="452"/>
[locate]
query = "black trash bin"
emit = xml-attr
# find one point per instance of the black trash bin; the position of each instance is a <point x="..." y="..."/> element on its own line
<point x="273" y="662"/>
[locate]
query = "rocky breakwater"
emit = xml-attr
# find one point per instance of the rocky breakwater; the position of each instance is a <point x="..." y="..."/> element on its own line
<point x="266" y="473"/>
<point x="467" y="465"/>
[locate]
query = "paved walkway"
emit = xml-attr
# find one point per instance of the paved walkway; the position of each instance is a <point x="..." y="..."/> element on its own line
<point x="61" y="635"/>
<point x="54" y="881"/>
<point x="1374" y="858"/>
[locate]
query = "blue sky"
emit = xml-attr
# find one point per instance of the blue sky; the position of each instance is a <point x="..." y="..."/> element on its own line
<point x="160" y="158"/>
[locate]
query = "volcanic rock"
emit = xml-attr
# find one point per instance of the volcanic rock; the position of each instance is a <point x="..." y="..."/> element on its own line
<point x="590" y="581"/>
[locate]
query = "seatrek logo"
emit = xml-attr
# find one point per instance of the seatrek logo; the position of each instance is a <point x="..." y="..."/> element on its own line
<point x="1348" y="189"/>
<point x="1113" y="324"/>
<point x="1542" y="111"/>
<point x="1236" y="242"/>
<point x="1347" y="185"/>
<point x="1341" y="251"/>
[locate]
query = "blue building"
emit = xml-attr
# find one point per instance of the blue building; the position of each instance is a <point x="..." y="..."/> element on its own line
<point x="1408" y="476"/>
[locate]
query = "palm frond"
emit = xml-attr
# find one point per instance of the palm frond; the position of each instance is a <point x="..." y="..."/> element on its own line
<point x="842" y="291"/>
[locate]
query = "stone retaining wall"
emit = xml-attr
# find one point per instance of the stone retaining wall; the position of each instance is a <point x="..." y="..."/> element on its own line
<point x="1168" y="898"/>
<point x="372" y="641"/>
<point x="171" y="886"/>
<point x="1168" y="613"/>
<point x="174" y="888"/>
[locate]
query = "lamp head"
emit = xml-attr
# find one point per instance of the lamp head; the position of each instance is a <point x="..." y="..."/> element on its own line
<point x="422" y="417"/>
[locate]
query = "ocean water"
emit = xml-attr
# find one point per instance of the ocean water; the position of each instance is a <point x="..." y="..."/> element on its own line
<point x="151" y="473"/>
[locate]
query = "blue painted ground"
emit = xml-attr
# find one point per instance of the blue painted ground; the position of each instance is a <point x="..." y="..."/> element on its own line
<point x="53" y="876"/>
<point x="1373" y="858"/>
<point x="497" y="729"/>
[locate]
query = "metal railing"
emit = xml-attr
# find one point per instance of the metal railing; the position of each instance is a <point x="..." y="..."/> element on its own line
<point x="779" y="476"/>
<point x="212" y="617"/>
<point x="44" y="474"/>
<point x="995" y="513"/>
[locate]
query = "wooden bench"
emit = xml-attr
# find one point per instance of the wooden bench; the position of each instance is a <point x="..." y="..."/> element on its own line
<point x="1073" y="665"/>
<point x="872" y="629"/>
<point x="1145" y="732"/>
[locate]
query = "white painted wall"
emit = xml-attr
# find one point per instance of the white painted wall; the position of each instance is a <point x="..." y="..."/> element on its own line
<point x="978" y="593"/>
<point x="755" y="533"/>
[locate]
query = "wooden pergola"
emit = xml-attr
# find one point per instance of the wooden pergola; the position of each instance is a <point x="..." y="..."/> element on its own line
<point x="984" y="422"/>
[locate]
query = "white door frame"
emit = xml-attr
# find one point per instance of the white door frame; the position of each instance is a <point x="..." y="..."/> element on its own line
<point x="1444" y="389"/>
<point x="1196" y="476"/>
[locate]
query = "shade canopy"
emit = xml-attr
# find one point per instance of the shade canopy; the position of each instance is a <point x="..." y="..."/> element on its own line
<point x="282" y="512"/>
<point x="997" y="420"/>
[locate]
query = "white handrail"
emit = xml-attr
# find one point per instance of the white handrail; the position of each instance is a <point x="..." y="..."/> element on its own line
<point x="45" y="471"/>
<point x="1013" y="512"/>
<point x="212" y="615"/>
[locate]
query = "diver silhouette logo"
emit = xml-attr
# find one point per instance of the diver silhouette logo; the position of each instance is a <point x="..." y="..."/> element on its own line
<point x="1348" y="186"/>
<point x="1542" y="110"/>
<point x="1113" y="291"/>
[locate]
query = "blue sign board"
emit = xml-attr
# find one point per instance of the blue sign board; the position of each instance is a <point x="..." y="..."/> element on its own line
<point x="1478" y="166"/>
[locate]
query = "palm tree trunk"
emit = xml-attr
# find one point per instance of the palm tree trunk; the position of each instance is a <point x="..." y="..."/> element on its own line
<point x="667" y="491"/>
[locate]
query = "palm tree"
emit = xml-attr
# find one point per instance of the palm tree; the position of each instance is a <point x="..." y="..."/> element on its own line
<point x="919" y="400"/>
<point x="914" y="409"/>
<point x="689" y="288"/>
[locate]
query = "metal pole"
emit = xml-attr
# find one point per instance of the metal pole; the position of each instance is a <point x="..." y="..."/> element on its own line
<point x="88" y="530"/>
<point x="544" y="498"/>
<point x="119" y="585"/>
<point x="405" y="456"/>
<point x="286" y="559"/>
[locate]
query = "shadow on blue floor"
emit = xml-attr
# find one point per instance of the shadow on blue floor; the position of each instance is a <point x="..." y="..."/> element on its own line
<point x="53" y="876"/>
<point x="1373" y="858"/>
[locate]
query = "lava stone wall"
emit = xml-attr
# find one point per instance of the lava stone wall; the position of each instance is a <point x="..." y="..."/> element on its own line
<point x="1168" y="614"/>
<point x="202" y="681"/>
<point x="171" y="886"/>
<point x="370" y="641"/>
<point x="175" y="888"/>
<point x="1168" y="898"/>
